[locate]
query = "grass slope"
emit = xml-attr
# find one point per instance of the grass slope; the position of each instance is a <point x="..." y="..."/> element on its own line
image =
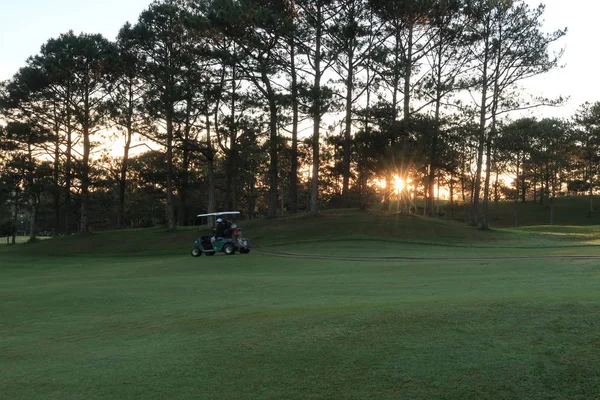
<point x="335" y="232"/>
<point x="129" y="315"/>
<point x="332" y="226"/>
<point x="572" y="210"/>
<point x="255" y="327"/>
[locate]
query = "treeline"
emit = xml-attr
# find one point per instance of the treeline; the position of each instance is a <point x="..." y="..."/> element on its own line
<point x="283" y="106"/>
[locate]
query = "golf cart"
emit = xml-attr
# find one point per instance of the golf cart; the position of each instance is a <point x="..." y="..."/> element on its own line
<point x="230" y="241"/>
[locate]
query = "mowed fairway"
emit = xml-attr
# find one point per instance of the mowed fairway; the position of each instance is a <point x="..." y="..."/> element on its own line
<point x="256" y="327"/>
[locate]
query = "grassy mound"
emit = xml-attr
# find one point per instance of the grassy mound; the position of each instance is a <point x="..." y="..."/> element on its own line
<point x="333" y="226"/>
<point x="343" y="231"/>
<point x="568" y="210"/>
<point x="95" y="321"/>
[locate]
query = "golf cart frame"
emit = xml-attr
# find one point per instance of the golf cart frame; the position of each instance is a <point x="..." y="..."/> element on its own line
<point x="229" y="245"/>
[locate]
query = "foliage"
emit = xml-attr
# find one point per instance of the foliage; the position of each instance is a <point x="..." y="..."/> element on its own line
<point x="272" y="107"/>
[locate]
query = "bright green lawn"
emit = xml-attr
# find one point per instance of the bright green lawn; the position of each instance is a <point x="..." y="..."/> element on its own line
<point x="18" y="239"/>
<point x="129" y="315"/>
<point x="256" y="327"/>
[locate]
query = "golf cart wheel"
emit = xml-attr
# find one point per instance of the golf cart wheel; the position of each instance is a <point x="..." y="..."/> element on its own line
<point x="229" y="249"/>
<point x="196" y="252"/>
<point x="244" y="251"/>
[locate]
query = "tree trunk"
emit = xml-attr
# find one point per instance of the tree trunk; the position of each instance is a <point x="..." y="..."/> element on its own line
<point x="185" y="167"/>
<point x="434" y="139"/>
<point x="439" y="86"/>
<point x="183" y="188"/>
<point x="56" y="181"/>
<point x="348" y="129"/>
<point x="523" y="188"/>
<point x="485" y="223"/>
<point x="15" y="216"/>
<point x="273" y="154"/>
<point x="389" y="179"/>
<point x="363" y="169"/>
<point x="463" y="195"/>
<point x="125" y="160"/>
<point x="591" y="193"/>
<point x="496" y="194"/>
<point x="32" y="191"/>
<point x="293" y="195"/>
<point x="68" y="177"/>
<point x="394" y="117"/>
<point x="210" y="168"/>
<point x="251" y="197"/>
<point x="477" y="184"/>
<point x="492" y="133"/>
<point x="437" y="203"/>
<point x="85" y="173"/>
<point x="33" y="220"/>
<point x="516" y="201"/>
<point x="451" y="196"/>
<point x="548" y="188"/>
<point x="169" y="206"/>
<point x="552" y="209"/>
<point x="314" y="197"/>
<point x="408" y="72"/>
<point x="211" y="183"/>
<point x="123" y="178"/>
<point x="481" y="137"/>
<point x="406" y="157"/>
<point x="231" y="162"/>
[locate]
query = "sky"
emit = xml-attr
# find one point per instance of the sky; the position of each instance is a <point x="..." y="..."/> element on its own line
<point x="27" y="24"/>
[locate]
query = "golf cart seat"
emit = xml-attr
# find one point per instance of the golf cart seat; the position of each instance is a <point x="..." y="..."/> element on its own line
<point x="206" y="242"/>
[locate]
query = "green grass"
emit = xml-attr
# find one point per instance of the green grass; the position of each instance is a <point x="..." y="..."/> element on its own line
<point x="18" y="239"/>
<point x="21" y="239"/>
<point x="333" y="226"/>
<point x="84" y="318"/>
<point x="572" y="210"/>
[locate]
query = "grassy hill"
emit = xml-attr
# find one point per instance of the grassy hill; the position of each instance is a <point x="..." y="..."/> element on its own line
<point x="334" y="228"/>
<point x="572" y="210"/>
<point x="130" y="315"/>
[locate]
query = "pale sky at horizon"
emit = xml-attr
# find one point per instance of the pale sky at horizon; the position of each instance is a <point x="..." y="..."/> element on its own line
<point x="27" y="24"/>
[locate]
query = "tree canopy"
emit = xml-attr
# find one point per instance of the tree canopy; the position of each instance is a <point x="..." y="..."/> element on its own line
<point x="281" y="106"/>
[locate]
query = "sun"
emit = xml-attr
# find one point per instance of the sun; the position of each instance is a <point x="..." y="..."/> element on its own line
<point x="398" y="184"/>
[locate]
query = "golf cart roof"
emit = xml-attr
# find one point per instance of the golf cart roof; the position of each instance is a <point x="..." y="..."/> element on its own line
<point x="219" y="214"/>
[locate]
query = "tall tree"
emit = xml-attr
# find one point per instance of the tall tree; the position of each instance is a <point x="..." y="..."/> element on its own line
<point x="257" y="27"/>
<point x="515" y="141"/>
<point x="90" y="55"/>
<point x="125" y="103"/>
<point x="509" y="47"/>
<point x="74" y="69"/>
<point x="447" y="61"/>
<point x="587" y="135"/>
<point x="317" y="17"/>
<point x="350" y="34"/>
<point x="28" y="140"/>
<point x="163" y="41"/>
<point x="293" y="36"/>
<point x="552" y="149"/>
<point x="33" y="94"/>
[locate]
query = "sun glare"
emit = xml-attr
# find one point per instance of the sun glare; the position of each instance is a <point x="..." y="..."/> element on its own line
<point x="398" y="184"/>
<point x="381" y="183"/>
